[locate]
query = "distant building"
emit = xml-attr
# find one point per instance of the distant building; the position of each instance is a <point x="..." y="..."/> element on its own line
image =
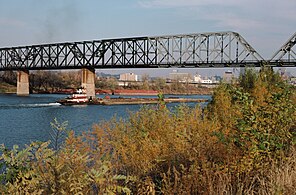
<point x="197" y="78"/>
<point x="228" y="76"/>
<point x="180" y="77"/>
<point x="293" y="81"/>
<point x="128" y="77"/>
<point x="123" y="83"/>
<point x="207" y="81"/>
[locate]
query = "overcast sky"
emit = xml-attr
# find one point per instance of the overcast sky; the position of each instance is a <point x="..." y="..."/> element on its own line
<point x="265" y="24"/>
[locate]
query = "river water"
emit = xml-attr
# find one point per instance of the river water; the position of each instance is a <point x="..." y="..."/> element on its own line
<point x="26" y="119"/>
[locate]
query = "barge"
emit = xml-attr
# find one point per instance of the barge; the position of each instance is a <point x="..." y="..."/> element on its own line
<point x="129" y="101"/>
<point x="80" y="98"/>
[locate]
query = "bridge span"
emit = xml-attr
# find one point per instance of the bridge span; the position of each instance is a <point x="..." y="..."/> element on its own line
<point x="215" y="50"/>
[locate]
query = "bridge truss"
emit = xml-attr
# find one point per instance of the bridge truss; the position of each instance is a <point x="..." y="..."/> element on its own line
<point x="223" y="49"/>
<point x="286" y="55"/>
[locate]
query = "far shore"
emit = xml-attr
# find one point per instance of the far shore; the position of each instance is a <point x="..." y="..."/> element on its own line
<point x="136" y="92"/>
<point x="9" y="89"/>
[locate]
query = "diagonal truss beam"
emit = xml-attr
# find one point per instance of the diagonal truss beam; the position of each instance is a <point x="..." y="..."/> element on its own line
<point x="205" y="49"/>
<point x="218" y="49"/>
<point x="287" y="53"/>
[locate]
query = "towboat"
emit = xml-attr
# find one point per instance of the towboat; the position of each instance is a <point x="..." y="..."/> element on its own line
<point x="77" y="98"/>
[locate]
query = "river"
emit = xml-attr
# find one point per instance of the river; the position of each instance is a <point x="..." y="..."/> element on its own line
<point x="26" y="119"/>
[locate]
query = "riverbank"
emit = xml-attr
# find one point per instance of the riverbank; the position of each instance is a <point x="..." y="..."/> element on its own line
<point x="7" y="88"/>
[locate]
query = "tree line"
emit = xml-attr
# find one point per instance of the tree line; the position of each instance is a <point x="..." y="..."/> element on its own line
<point x="46" y="81"/>
<point x="57" y="81"/>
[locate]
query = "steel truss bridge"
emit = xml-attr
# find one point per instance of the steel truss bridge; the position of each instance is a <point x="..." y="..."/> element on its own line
<point x="219" y="49"/>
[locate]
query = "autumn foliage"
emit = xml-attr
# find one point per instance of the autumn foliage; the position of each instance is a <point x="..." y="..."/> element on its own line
<point x="243" y="142"/>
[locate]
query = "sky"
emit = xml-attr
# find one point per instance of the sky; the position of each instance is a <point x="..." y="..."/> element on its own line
<point x="265" y="24"/>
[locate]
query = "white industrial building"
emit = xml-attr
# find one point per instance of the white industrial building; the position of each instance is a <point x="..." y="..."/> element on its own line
<point x="199" y="79"/>
<point x="128" y="77"/>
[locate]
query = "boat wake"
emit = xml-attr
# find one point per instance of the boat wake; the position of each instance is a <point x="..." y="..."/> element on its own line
<point x="16" y="106"/>
<point x="42" y="105"/>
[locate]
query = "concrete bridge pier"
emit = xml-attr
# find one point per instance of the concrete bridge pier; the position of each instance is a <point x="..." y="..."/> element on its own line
<point x="88" y="81"/>
<point x="23" y="83"/>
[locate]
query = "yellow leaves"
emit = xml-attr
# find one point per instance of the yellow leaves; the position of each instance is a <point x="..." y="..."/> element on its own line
<point x="146" y="186"/>
<point x="25" y="184"/>
<point x="71" y="170"/>
<point x="260" y="93"/>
